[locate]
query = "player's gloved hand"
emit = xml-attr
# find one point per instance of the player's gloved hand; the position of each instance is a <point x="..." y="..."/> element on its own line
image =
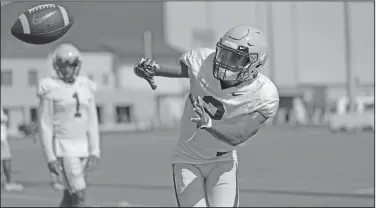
<point x="55" y="167"/>
<point x="202" y="119"/>
<point x="146" y="69"/>
<point x="92" y="162"/>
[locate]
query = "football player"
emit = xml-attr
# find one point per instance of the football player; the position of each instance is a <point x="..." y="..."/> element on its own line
<point x="68" y="124"/>
<point x="229" y="101"/>
<point x="6" y="157"/>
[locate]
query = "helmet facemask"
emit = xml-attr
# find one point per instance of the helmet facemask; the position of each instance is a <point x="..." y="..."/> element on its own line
<point x="236" y="64"/>
<point x="67" y="69"/>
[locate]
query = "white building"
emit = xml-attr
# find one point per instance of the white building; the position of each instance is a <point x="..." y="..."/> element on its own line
<point x="131" y="104"/>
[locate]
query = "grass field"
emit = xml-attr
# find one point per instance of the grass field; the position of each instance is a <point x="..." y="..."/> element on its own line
<point x="279" y="167"/>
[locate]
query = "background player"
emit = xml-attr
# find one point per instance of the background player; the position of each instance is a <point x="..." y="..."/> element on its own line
<point x="6" y="157"/>
<point x="229" y="101"/>
<point x="68" y="123"/>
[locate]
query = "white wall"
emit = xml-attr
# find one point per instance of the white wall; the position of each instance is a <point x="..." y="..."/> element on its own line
<point x="165" y="85"/>
<point x="320" y="30"/>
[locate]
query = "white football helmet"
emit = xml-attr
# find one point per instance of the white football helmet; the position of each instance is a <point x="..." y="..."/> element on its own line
<point x="66" y="61"/>
<point x="240" y="54"/>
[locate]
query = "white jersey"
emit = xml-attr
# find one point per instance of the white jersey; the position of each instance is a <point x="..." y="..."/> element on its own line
<point x="68" y="115"/>
<point x="4" y="119"/>
<point x="199" y="146"/>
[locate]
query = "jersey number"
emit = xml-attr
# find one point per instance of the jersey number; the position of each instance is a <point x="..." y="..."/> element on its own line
<point x="77" y="114"/>
<point x="217" y="104"/>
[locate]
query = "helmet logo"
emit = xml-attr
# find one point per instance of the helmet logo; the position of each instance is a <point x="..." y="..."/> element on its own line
<point x="243" y="48"/>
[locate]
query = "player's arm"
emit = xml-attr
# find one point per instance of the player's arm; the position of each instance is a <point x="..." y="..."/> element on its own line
<point x="45" y="127"/>
<point x="93" y="131"/>
<point x="238" y="130"/>
<point x="174" y="71"/>
<point x="147" y="68"/>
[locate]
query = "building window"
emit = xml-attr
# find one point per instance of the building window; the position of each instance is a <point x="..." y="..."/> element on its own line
<point x="369" y="107"/>
<point x="99" y="112"/>
<point x="105" y="79"/>
<point x="91" y="77"/>
<point x="124" y="114"/>
<point x="6" y="77"/>
<point x="33" y="114"/>
<point x="33" y="77"/>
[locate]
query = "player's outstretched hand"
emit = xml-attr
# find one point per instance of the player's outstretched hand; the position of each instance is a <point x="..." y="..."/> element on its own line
<point x="55" y="167"/>
<point x="92" y="162"/>
<point x="146" y="69"/>
<point x="202" y="119"/>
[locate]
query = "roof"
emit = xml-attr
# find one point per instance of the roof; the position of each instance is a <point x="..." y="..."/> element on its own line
<point x="116" y="23"/>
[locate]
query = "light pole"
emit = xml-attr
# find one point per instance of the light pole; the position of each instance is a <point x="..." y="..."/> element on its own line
<point x="269" y="13"/>
<point x="295" y="41"/>
<point x="349" y="75"/>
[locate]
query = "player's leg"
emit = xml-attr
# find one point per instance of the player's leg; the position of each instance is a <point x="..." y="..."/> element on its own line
<point x="189" y="185"/>
<point x="6" y="161"/>
<point x="78" y="197"/>
<point x="222" y="185"/>
<point x="66" y="201"/>
<point x="74" y="179"/>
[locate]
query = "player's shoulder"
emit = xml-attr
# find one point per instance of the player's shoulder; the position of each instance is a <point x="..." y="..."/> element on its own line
<point x="267" y="97"/>
<point x="267" y="89"/>
<point x="196" y="56"/>
<point x="85" y="81"/>
<point x="202" y="53"/>
<point x="46" y="84"/>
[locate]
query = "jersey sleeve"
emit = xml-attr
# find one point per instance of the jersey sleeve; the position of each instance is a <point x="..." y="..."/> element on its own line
<point x="194" y="59"/>
<point x="93" y="130"/>
<point x="45" y="114"/>
<point x="45" y="128"/>
<point x="44" y="88"/>
<point x="269" y="101"/>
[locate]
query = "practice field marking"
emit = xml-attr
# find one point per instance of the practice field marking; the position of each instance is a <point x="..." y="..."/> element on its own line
<point x="27" y="197"/>
<point x="122" y="203"/>
<point x="365" y="191"/>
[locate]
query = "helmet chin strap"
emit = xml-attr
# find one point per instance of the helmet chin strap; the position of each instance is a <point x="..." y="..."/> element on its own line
<point x="70" y="79"/>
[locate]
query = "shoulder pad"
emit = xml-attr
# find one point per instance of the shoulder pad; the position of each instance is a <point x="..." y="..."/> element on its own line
<point x="45" y="85"/>
<point x="269" y="91"/>
<point x="269" y="100"/>
<point x="195" y="57"/>
<point x="89" y="83"/>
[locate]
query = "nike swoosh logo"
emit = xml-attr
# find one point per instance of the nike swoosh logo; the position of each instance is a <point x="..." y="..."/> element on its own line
<point x="41" y="19"/>
<point x="236" y="94"/>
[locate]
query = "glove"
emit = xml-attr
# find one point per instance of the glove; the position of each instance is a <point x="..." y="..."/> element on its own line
<point x="92" y="162"/>
<point x="146" y="69"/>
<point x="202" y="119"/>
<point x="55" y="167"/>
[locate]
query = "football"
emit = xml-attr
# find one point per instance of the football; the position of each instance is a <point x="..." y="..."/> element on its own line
<point x="42" y="24"/>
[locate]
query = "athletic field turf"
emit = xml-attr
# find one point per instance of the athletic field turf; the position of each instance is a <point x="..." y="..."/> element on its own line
<point x="281" y="166"/>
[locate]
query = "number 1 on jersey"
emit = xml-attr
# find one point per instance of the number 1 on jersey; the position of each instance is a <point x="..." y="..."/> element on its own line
<point x="77" y="114"/>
